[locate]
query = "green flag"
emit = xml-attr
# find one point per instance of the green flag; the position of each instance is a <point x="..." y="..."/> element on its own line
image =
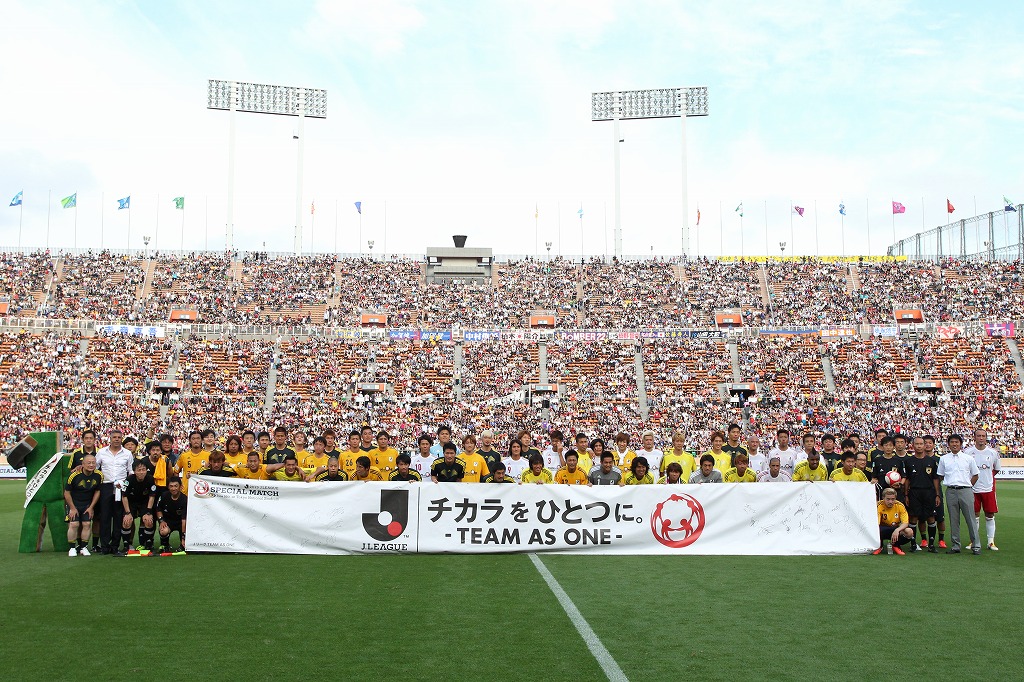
<point x="70" y="202"/>
<point x="179" y="203"/>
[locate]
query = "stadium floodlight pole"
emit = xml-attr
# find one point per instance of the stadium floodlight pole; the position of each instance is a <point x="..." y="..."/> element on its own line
<point x="657" y="103"/>
<point x="257" y="98"/>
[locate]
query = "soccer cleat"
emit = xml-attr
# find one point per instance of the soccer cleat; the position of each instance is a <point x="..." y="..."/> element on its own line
<point x="877" y="552"/>
<point x="924" y="543"/>
<point x="942" y="544"/>
<point x="915" y="548"/>
<point x="952" y="551"/>
<point x="72" y="552"/>
<point x="976" y="552"/>
<point x="95" y="549"/>
<point x="897" y="550"/>
<point x="120" y="552"/>
<point x="933" y="549"/>
<point x="992" y="546"/>
<point x="84" y="551"/>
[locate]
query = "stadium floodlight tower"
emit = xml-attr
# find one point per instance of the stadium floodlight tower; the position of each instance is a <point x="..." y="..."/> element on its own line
<point x="658" y="103"/>
<point x="257" y="98"/>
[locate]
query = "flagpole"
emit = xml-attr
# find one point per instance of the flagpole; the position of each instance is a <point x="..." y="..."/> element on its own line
<point x="206" y="245"/>
<point x="103" y="211"/>
<point x="49" y="200"/>
<point x="743" y="252"/>
<point x="385" y="228"/>
<point x="697" y="234"/>
<point x="360" y="231"/>
<point x="129" y="225"/>
<point x="842" y="229"/>
<point x="335" y="226"/>
<point x="792" y="239"/>
<point x="156" y="229"/>
<point x="21" y="217"/>
<point x="183" y="224"/>
<point x="893" y="223"/>
<point x="721" y="230"/>
<point x="817" y="249"/>
<point x="559" y="209"/>
<point x="76" y="219"/>
<point x="867" y="218"/>
<point x="606" y="229"/>
<point x="536" y="231"/>
<point x="312" y="224"/>
<point x="766" y="251"/>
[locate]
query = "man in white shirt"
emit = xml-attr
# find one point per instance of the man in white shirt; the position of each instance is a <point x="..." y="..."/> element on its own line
<point x="653" y="454"/>
<point x="786" y="454"/>
<point x="987" y="459"/>
<point x="116" y="464"/>
<point x="959" y="472"/>
<point x="554" y="454"/>
<point x="758" y="461"/>
<point x="775" y="473"/>
<point x="423" y="458"/>
<point x="807" y="447"/>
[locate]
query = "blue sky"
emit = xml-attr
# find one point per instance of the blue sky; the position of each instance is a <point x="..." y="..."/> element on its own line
<point x="464" y="116"/>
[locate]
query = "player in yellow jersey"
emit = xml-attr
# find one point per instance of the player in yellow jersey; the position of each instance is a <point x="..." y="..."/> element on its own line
<point x="192" y="460"/>
<point x="622" y="452"/>
<point x="300" y="445"/>
<point x="365" y="471"/>
<point x="586" y="459"/>
<point x="740" y="473"/>
<point x="476" y="466"/>
<point x="723" y="460"/>
<point x="316" y="459"/>
<point x="673" y="474"/>
<point x="233" y="455"/>
<point x="350" y="454"/>
<point x="680" y="456"/>
<point x="288" y="470"/>
<point x="571" y="474"/>
<point x="848" y="472"/>
<point x="811" y="469"/>
<point x="383" y="457"/>
<point x="893" y="524"/>
<point x="537" y="473"/>
<point x="254" y="467"/>
<point x="638" y="473"/>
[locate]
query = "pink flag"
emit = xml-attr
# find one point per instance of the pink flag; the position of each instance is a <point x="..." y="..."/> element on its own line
<point x="897" y="207"/>
<point x="800" y="210"/>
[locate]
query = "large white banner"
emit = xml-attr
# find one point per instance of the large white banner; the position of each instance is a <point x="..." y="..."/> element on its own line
<point x="234" y="515"/>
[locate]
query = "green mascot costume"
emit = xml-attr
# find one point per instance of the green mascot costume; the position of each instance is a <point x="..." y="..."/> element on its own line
<point x="46" y="507"/>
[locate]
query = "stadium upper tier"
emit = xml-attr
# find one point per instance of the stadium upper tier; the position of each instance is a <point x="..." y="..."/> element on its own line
<point x="657" y="293"/>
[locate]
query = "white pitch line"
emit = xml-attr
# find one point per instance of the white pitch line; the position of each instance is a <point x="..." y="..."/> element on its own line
<point x="608" y="664"/>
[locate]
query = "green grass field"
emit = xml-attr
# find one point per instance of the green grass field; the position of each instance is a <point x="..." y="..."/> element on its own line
<point x="494" y="617"/>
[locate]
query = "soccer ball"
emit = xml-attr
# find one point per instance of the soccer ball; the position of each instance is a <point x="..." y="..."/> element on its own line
<point x="893" y="478"/>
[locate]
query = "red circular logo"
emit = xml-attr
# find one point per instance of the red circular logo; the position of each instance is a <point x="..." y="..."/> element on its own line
<point x="678" y="521"/>
<point x="201" y="488"/>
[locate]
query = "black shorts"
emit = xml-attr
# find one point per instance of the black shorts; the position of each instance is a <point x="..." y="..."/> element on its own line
<point x="921" y="502"/>
<point x="172" y="525"/>
<point x="139" y="512"/>
<point x="83" y="515"/>
<point x="885" y="535"/>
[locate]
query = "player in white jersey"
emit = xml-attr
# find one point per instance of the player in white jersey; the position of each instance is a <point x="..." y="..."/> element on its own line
<point x="652" y="454"/>
<point x="758" y="461"/>
<point x="985" y="488"/>
<point x="554" y="455"/>
<point x="786" y="454"/>
<point x="423" y="459"/>
<point x="775" y="474"/>
<point x="515" y="463"/>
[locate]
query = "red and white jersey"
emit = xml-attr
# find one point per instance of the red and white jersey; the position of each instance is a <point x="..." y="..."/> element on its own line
<point x="514" y="468"/>
<point x="988" y="463"/>
<point x="421" y="465"/>
<point x="553" y="460"/>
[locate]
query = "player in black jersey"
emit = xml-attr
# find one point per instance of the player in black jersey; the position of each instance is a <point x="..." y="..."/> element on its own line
<point x="449" y="468"/>
<point x="276" y="453"/>
<point x="886" y="463"/>
<point x="940" y="511"/>
<point x="171" y="513"/>
<point x="332" y="472"/>
<point x="402" y="471"/>
<point x="139" y="500"/>
<point x="923" y="494"/>
<point x="82" y="494"/>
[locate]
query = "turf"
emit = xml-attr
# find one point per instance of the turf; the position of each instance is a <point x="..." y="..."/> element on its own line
<point x="493" y="617"/>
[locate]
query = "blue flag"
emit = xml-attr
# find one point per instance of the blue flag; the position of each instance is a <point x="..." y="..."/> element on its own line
<point x="1009" y="205"/>
<point x="16" y="201"/>
<point x="842" y="209"/>
<point x="124" y="203"/>
<point x="359" y="207"/>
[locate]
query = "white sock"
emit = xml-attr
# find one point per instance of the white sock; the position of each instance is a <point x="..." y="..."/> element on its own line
<point x="990" y="529"/>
